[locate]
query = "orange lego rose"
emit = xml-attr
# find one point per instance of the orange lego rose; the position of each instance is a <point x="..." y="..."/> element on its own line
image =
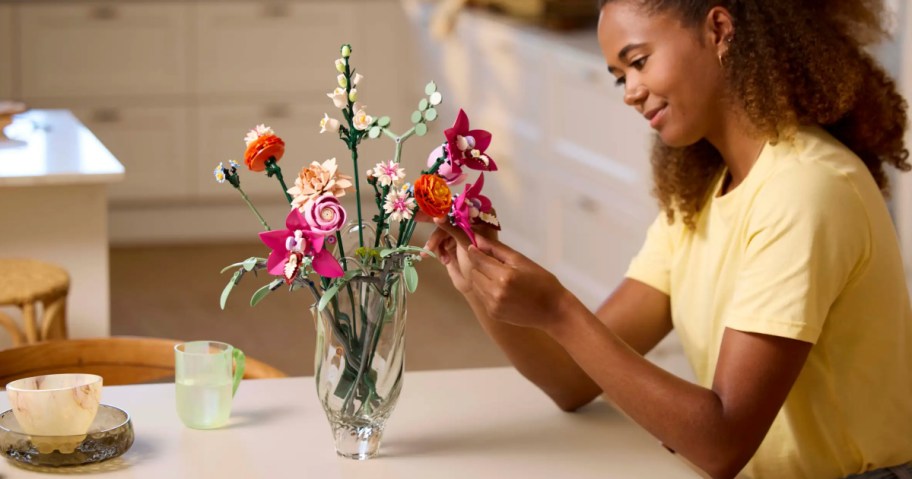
<point x="263" y="148"/>
<point x="433" y="195"/>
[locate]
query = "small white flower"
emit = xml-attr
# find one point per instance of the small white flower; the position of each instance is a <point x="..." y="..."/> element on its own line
<point x="362" y="120"/>
<point x="340" y="65"/>
<point x="234" y="164"/>
<point x="328" y="124"/>
<point x="219" y="173"/>
<point x="357" y="78"/>
<point x="343" y="82"/>
<point x="353" y="96"/>
<point x="399" y="206"/>
<point x="388" y="173"/>
<point x="257" y="132"/>
<point x="338" y="97"/>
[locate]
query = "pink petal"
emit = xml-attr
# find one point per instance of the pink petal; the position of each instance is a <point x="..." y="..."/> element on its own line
<point x="476" y="164"/>
<point x="463" y="223"/>
<point x="485" y="206"/>
<point x="462" y="123"/>
<point x="482" y="139"/>
<point x="325" y="264"/>
<point x="475" y="188"/>
<point x="295" y="220"/>
<point x="275" y="239"/>
<point x="275" y="264"/>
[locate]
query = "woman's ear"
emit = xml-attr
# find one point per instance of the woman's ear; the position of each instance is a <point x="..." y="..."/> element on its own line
<point x="719" y="29"/>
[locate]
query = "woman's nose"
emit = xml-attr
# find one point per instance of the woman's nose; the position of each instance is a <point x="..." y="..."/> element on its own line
<point x="635" y="94"/>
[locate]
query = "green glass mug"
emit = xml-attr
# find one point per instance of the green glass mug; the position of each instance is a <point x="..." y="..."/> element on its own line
<point x="205" y="382"/>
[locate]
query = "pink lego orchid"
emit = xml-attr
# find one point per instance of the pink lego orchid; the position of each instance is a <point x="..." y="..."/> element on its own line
<point x="467" y="147"/>
<point x="472" y="204"/>
<point x="449" y="171"/>
<point x="291" y="245"/>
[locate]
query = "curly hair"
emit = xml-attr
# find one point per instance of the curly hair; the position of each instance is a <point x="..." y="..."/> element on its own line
<point x="792" y="63"/>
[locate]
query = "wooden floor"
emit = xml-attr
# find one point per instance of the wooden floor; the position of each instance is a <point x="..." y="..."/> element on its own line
<point x="173" y="292"/>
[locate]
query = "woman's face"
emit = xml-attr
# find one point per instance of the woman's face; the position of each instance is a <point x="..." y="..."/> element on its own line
<point x="668" y="75"/>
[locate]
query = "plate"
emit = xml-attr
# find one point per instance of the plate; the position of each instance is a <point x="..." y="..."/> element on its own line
<point x="109" y="436"/>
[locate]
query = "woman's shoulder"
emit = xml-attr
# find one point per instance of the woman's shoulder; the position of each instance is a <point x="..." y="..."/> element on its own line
<point x="813" y="152"/>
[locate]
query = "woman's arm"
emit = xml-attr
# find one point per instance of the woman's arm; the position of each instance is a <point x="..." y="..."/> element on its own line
<point x="717" y="429"/>
<point x="638" y="314"/>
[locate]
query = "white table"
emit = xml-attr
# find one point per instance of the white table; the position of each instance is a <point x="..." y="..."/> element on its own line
<point x="459" y="424"/>
<point x="53" y="207"/>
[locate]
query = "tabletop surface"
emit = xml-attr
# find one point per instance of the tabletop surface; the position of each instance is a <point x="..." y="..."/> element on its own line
<point x="471" y="423"/>
<point x="53" y="147"/>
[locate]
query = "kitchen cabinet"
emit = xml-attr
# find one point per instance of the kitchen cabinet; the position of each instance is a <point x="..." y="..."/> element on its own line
<point x="152" y="143"/>
<point x="102" y="50"/>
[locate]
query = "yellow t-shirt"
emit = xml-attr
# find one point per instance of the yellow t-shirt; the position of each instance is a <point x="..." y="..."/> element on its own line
<point x="803" y="248"/>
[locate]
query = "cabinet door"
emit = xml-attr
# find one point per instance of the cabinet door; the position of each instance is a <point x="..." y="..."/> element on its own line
<point x="221" y="138"/>
<point x="517" y="189"/>
<point x="509" y="77"/>
<point x="271" y="47"/>
<point x="591" y="125"/>
<point x="153" y="144"/>
<point x="103" y="49"/>
<point x="596" y="231"/>
<point x="6" y="52"/>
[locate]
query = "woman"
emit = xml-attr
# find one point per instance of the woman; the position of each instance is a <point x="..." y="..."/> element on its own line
<point x="774" y="257"/>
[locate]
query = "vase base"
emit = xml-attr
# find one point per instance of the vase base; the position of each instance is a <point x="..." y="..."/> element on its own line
<point x="358" y="443"/>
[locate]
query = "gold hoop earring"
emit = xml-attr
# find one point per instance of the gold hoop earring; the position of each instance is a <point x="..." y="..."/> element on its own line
<point x="721" y="65"/>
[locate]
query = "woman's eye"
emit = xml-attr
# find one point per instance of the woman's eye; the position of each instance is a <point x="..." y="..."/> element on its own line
<point x="621" y="81"/>
<point x="639" y="63"/>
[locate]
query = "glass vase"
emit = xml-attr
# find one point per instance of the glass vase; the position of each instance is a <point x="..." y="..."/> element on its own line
<point x="360" y="354"/>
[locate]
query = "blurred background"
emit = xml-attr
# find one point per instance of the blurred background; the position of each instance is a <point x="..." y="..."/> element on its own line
<point x="170" y="87"/>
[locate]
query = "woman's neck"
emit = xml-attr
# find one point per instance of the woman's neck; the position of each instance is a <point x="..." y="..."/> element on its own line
<point x="740" y="145"/>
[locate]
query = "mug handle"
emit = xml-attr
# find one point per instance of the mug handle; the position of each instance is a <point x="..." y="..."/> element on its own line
<point x="239" y="361"/>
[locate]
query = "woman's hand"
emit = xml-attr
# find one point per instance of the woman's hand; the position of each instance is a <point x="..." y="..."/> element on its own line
<point x="515" y="289"/>
<point x="511" y="287"/>
<point x="450" y="245"/>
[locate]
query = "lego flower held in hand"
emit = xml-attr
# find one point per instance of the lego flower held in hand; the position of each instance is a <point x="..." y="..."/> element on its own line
<point x="450" y="172"/>
<point x="472" y="205"/>
<point x="433" y="195"/>
<point x="467" y="147"/>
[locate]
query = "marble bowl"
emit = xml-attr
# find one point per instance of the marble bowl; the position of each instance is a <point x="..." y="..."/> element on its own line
<point x="56" y="404"/>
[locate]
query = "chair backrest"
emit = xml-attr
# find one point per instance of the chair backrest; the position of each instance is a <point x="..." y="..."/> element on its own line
<point x="119" y="360"/>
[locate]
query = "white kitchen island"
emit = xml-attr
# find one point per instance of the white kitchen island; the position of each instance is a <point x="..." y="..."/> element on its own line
<point x="53" y="207"/>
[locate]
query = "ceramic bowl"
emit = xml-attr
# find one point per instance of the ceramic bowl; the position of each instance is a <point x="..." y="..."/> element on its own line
<point x="56" y="404"/>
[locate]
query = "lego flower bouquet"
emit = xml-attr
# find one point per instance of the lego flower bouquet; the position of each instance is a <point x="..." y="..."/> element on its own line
<point x="357" y="266"/>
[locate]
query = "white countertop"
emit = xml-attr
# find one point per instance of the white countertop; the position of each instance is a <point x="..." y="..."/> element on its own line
<point x="51" y="147"/>
<point x="472" y="423"/>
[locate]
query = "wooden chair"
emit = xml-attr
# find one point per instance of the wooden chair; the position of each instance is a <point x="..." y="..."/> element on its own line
<point x="119" y="360"/>
<point x="25" y="283"/>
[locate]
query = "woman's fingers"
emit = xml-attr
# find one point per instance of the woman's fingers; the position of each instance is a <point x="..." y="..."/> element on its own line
<point x="435" y="241"/>
<point x="485" y="264"/>
<point x="461" y="238"/>
<point x="498" y="250"/>
<point x="422" y="217"/>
